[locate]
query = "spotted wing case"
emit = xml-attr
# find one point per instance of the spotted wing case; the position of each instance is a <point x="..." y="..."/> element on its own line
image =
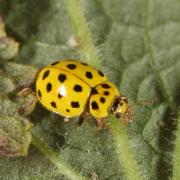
<point x="85" y="72"/>
<point x="61" y="92"/>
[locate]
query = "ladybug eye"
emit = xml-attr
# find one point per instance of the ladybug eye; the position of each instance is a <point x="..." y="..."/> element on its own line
<point x="115" y="105"/>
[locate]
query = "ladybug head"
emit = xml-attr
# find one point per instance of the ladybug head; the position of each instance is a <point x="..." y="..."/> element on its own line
<point x="119" y="106"/>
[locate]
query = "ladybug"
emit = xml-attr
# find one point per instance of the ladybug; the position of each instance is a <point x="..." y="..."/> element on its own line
<point x="72" y="88"/>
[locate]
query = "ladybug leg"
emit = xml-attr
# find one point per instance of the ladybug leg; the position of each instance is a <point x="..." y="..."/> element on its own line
<point x="81" y="120"/>
<point x="26" y="90"/>
<point x="101" y="123"/>
<point x="82" y="117"/>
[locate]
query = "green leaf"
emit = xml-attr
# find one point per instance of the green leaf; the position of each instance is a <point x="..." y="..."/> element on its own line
<point x="15" y="128"/>
<point x="15" y="135"/>
<point x="137" y="42"/>
<point x="8" y="46"/>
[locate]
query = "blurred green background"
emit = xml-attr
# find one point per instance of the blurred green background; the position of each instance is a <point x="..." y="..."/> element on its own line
<point x="138" y="43"/>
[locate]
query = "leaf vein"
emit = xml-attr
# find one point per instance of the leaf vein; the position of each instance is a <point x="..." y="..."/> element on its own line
<point x="153" y="64"/>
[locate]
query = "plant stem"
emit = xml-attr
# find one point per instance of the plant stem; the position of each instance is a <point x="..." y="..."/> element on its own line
<point x="83" y="34"/>
<point x="176" y="169"/>
<point x="88" y="50"/>
<point x="54" y="157"/>
<point x="124" y="150"/>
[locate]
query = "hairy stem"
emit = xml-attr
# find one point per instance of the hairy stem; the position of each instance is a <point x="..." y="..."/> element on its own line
<point x="88" y="51"/>
<point x="124" y="150"/>
<point x="176" y="169"/>
<point x="54" y="157"/>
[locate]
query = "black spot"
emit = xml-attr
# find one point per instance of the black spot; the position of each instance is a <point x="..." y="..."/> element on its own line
<point x="102" y="100"/>
<point x="121" y="103"/>
<point x="89" y="75"/>
<point x="71" y="66"/>
<point x="53" y="104"/>
<point x="77" y="88"/>
<point x="62" y="77"/>
<point x="46" y="74"/>
<point x="100" y="73"/>
<point x="106" y="93"/>
<point x="94" y="105"/>
<point x="94" y="91"/>
<point x="60" y="96"/>
<point x="84" y="64"/>
<point x="67" y="110"/>
<point x="39" y="93"/>
<point x="54" y="63"/>
<point x="106" y="86"/>
<point x="75" y="104"/>
<point x="48" y="87"/>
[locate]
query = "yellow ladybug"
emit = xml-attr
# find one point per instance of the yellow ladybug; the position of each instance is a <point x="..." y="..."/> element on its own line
<point x="72" y="88"/>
